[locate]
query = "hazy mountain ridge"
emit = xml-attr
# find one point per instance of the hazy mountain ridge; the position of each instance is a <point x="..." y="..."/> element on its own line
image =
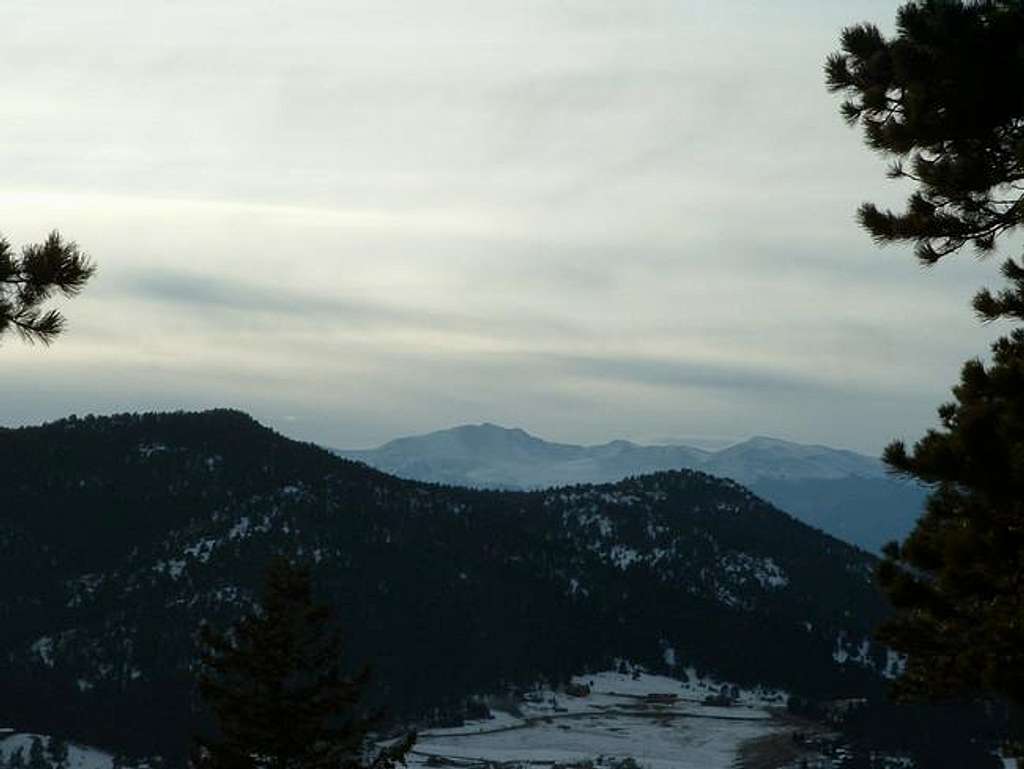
<point x="846" y="494"/>
<point x="118" y="536"/>
<point x="527" y="461"/>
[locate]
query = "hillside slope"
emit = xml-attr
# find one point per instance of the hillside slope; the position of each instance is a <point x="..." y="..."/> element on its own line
<point x="119" y="535"/>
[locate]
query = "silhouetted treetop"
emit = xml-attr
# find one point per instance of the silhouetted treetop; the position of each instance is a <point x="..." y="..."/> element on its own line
<point x="275" y="685"/>
<point x="29" y="279"/>
<point x="943" y="97"/>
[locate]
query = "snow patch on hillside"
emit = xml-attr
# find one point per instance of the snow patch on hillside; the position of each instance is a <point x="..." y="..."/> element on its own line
<point x="79" y="756"/>
<point x="43" y="648"/>
<point x="764" y="571"/>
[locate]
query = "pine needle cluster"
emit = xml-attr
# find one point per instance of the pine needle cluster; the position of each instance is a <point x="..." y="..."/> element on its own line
<point x="943" y="99"/>
<point x="30" y="279"/>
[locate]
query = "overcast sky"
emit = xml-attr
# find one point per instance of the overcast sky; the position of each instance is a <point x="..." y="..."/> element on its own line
<point x="358" y="220"/>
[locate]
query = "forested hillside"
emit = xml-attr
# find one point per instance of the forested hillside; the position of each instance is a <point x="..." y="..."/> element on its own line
<point x="119" y="535"/>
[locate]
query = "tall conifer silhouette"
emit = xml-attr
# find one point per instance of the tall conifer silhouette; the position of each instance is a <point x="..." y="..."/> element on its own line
<point x="943" y="99"/>
<point x="276" y="689"/>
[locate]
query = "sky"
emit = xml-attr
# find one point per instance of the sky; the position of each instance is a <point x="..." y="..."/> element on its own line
<point x="359" y="220"/>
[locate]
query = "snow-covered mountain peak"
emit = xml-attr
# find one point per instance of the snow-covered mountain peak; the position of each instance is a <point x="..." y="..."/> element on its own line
<point x="767" y="442"/>
<point x="489" y="454"/>
<point x="763" y="457"/>
<point x="845" y="493"/>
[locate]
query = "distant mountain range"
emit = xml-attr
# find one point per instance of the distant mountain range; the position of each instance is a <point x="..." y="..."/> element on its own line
<point x="843" y="493"/>
<point x="120" y="535"/>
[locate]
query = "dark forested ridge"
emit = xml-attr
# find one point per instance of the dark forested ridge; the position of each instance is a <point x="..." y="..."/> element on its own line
<point x="118" y="535"/>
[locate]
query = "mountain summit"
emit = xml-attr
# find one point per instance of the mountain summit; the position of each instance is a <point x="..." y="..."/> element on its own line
<point x="846" y="494"/>
<point x="762" y="458"/>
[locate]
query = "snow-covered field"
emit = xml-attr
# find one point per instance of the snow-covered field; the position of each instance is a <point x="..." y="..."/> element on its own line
<point x="658" y="743"/>
<point x="617" y="720"/>
<point x="79" y="756"/>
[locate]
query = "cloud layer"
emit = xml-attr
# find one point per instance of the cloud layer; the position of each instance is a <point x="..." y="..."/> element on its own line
<point x="361" y="219"/>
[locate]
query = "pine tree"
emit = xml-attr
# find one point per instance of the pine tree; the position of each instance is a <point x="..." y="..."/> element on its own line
<point x="958" y="580"/>
<point x="57" y="753"/>
<point x="944" y="98"/>
<point x="28" y="281"/>
<point x="276" y="689"/>
<point x="37" y="755"/>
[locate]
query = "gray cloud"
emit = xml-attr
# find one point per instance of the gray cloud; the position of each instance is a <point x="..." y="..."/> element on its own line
<point x="359" y="219"/>
<point x="248" y="301"/>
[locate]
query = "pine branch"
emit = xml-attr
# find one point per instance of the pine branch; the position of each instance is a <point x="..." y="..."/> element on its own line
<point x="52" y="267"/>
